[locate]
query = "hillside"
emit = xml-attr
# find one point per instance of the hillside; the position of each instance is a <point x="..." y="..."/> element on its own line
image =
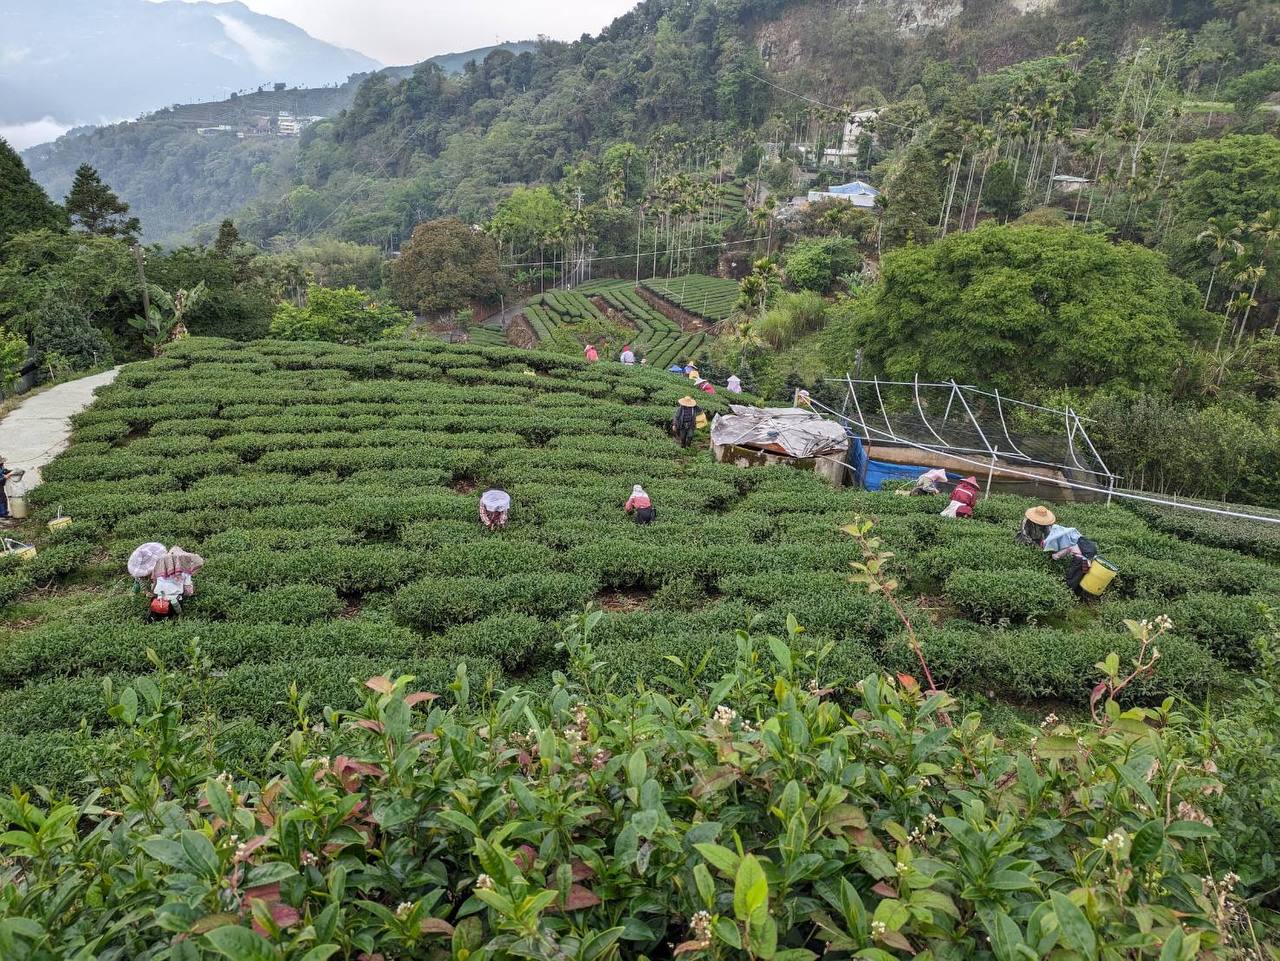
<point x="732" y="672"/>
<point x="333" y="491"/>
<point x="696" y="71"/>
<point x="207" y="172"/>
<point x="67" y="67"/>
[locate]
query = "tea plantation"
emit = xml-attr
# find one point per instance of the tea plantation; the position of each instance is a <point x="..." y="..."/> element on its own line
<point x="711" y="298"/>
<point x="563" y="320"/>
<point x="333" y="491"/>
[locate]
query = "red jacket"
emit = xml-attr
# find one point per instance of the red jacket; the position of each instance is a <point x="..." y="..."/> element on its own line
<point x="967" y="495"/>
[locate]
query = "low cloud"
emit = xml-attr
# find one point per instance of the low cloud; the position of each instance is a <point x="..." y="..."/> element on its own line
<point x="264" y="53"/>
<point x="24" y="135"/>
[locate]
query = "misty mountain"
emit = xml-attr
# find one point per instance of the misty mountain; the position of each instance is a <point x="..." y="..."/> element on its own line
<point x="90" y="61"/>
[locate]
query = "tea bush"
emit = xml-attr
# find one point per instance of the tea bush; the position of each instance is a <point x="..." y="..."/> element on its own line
<point x="759" y="820"/>
<point x="333" y="491"/>
<point x="989" y="596"/>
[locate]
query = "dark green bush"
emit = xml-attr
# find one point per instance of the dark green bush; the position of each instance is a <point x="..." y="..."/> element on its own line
<point x="517" y="642"/>
<point x="1032" y="663"/>
<point x="289" y="604"/>
<point x="1017" y="595"/>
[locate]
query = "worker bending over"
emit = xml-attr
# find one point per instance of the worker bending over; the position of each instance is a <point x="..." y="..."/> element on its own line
<point x="963" y="499"/>
<point x="1036" y="523"/>
<point x="642" y="505"/>
<point x="495" y="508"/>
<point x="168" y="576"/>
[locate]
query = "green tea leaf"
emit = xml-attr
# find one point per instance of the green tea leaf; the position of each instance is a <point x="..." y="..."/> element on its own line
<point x="750" y="890"/>
<point x="1077" y="932"/>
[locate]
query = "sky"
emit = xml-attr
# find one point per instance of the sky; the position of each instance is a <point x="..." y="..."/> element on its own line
<point x="406" y="31"/>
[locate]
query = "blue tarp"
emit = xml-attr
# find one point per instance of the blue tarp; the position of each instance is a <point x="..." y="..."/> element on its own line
<point x="874" y="474"/>
<point x="854" y="189"/>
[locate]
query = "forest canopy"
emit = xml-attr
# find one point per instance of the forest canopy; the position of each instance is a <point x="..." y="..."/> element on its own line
<point x="1024" y="308"/>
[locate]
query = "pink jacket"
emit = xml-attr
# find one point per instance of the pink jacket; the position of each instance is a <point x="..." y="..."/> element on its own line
<point x="637" y="503"/>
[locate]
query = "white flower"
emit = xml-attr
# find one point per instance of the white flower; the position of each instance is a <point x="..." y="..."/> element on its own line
<point x="403" y="909"/>
<point x="1115" y="842"/>
<point x="484" y="883"/>
<point x="700" y="926"/>
<point x="878" y="929"/>
<point x="1164" y="622"/>
<point x="725" y="715"/>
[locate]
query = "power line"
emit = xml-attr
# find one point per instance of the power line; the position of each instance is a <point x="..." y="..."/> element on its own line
<point x="819" y="103"/>
<point x="382" y="168"/>
<point x="674" y="250"/>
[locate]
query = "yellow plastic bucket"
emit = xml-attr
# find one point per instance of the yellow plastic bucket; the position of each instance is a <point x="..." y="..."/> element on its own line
<point x="25" y="552"/>
<point x="1101" y="574"/>
<point x="18" y="506"/>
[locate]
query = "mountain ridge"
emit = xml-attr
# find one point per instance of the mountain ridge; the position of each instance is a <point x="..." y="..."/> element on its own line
<point x="65" y="66"/>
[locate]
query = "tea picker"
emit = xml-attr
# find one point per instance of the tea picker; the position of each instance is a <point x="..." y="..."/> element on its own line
<point x="1087" y="572"/>
<point x="927" y="483"/>
<point x="13" y="492"/>
<point x="166" y="575"/>
<point x="963" y="498"/>
<point x="495" y="509"/>
<point x="685" y="422"/>
<point x="642" y="505"/>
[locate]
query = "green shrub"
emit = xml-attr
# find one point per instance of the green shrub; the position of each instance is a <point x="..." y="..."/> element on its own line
<point x="59" y="559"/>
<point x="12" y="586"/>
<point x="290" y="604"/>
<point x="1032" y="663"/>
<point x="1227" y="627"/>
<point x="517" y="642"/>
<point x="1015" y="595"/>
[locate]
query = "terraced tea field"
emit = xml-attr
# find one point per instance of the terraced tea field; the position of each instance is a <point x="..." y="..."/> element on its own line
<point x="711" y="298"/>
<point x="657" y="338"/>
<point x="333" y="491"/>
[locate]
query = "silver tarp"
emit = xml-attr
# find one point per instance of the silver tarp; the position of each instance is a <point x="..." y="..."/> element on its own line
<point x="801" y="433"/>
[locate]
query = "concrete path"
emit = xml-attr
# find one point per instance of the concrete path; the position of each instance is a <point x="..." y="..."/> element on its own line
<point x="37" y="431"/>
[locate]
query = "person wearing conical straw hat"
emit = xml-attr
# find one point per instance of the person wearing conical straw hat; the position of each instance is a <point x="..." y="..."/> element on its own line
<point x="1036" y="523"/>
<point x="685" y="422"/>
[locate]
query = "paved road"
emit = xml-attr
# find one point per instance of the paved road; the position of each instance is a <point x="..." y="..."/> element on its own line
<point x="36" y="432"/>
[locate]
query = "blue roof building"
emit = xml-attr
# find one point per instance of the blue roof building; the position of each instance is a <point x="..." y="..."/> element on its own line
<point x="858" y="193"/>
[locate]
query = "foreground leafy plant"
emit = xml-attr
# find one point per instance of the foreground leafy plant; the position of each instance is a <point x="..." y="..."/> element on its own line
<point x="755" y="819"/>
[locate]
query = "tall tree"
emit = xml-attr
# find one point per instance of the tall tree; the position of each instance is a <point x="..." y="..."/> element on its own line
<point x="94" y="208"/>
<point x="1002" y="193"/>
<point x="1023" y="309"/>
<point x="228" y="237"/>
<point x="445" y="266"/>
<point x="25" y="205"/>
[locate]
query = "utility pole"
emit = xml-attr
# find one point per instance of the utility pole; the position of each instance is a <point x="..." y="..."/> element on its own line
<point x="140" y="256"/>
<point x="580" y="254"/>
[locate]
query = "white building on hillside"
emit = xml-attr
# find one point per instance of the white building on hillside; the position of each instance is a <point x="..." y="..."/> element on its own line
<point x="847" y="152"/>
<point x="287" y="125"/>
